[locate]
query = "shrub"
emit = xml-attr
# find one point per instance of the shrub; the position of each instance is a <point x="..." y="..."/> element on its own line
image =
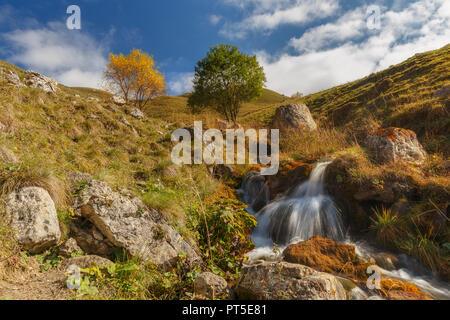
<point x="386" y="225"/>
<point x="223" y="233"/>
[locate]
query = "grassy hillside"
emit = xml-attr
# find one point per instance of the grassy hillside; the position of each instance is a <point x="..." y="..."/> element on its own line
<point x="400" y="96"/>
<point x="175" y="109"/>
<point x="44" y="137"/>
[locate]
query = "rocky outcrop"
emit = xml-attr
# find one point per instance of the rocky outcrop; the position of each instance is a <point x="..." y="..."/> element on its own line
<point x="389" y="192"/>
<point x="207" y="285"/>
<point x="36" y="80"/>
<point x="287" y="281"/>
<point x="90" y="239"/>
<point x="294" y="116"/>
<point x="136" y="113"/>
<point x="290" y="176"/>
<point x="398" y="290"/>
<point x="11" y="77"/>
<point x="255" y="191"/>
<point x="395" y="144"/>
<point x="84" y="262"/>
<point x="33" y="217"/>
<point x="127" y="223"/>
<point x="326" y="255"/>
<point x="118" y="100"/>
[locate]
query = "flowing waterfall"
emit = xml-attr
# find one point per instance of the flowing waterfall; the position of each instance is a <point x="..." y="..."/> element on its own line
<point x="304" y="213"/>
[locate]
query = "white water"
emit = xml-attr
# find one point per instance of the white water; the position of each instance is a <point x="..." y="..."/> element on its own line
<point x="306" y="212"/>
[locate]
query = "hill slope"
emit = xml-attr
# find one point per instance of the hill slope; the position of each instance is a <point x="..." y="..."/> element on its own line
<point x="400" y="96"/>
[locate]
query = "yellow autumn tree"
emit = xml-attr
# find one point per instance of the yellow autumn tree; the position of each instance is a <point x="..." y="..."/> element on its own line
<point x="135" y="77"/>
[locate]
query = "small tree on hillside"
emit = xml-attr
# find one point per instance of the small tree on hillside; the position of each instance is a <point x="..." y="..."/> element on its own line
<point x="135" y="77"/>
<point x="225" y="79"/>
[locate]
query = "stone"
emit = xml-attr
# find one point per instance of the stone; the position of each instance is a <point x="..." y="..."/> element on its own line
<point x="36" y="80"/>
<point x="443" y="92"/>
<point x="294" y="116"/>
<point x="84" y="262"/>
<point x="125" y="122"/>
<point x="118" y="100"/>
<point x="393" y="289"/>
<point x="33" y="217"/>
<point x="287" y="281"/>
<point x="290" y="176"/>
<point x="68" y="247"/>
<point x="255" y="191"/>
<point x="326" y="255"/>
<point x="90" y="239"/>
<point x="127" y="223"/>
<point x="7" y="156"/>
<point x="210" y="286"/>
<point x="396" y="144"/>
<point x="136" y="113"/>
<point x="387" y="261"/>
<point x="221" y="171"/>
<point x="12" y="77"/>
<point x="112" y="108"/>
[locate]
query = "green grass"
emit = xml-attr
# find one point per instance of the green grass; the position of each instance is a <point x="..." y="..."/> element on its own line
<point x="387" y="226"/>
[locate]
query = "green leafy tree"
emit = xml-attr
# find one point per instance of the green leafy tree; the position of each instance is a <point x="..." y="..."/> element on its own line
<point x="225" y="79"/>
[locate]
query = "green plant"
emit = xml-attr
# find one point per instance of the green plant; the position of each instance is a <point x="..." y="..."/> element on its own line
<point x="48" y="260"/>
<point x="386" y="225"/>
<point x="223" y="234"/>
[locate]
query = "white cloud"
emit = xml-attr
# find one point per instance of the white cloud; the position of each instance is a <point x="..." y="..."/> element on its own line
<point x="267" y="15"/>
<point x="355" y="51"/>
<point x="350" y="26"/>
<point x="180" y="83"/>
<point x="215" y="19"/>
<point x="73" y="58"/>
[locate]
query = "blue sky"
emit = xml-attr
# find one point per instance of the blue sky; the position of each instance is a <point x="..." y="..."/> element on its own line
<point x="304" y="45"/>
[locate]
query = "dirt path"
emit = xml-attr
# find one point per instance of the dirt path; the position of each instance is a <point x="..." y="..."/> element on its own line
<point x="49" y="285"/>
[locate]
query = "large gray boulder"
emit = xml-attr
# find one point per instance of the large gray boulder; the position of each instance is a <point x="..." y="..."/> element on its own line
<point x="127" y="223"/>
<point x="36" y="80"/>
<point x="294" y="116"/>
<point x="396" y="144"/>
<point x="287" y="281"/>
<point x="33" y="217"/>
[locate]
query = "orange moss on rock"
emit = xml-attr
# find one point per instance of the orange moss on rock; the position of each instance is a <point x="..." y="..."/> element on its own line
<point x="392" y="133"/>
<point x="290" y="175"/>
<point x="326" y="255"/>
<point x="399" y="290"/>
